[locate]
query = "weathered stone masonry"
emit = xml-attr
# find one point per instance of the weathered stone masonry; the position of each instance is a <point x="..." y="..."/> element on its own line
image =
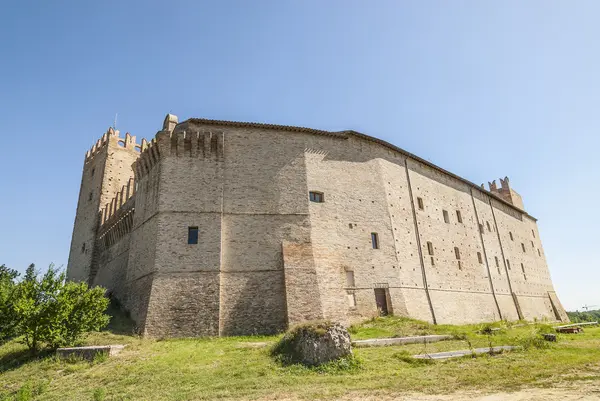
<point x="381" y="231"/>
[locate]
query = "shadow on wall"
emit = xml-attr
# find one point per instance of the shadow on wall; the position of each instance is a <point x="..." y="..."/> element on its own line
<point x="253" y="303"/>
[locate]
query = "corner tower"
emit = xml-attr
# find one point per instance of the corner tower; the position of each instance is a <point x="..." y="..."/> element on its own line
<point x="106" y="168"/>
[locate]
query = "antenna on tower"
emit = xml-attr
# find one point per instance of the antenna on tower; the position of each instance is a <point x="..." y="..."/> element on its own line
<point x="115" y="122"/>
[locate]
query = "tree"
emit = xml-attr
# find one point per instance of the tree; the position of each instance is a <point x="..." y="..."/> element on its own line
<point x="49" y="311"/>
<point x="7" y="316"/>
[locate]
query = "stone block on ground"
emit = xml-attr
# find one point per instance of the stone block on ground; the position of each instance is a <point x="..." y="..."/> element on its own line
<point x="89" y="352"/>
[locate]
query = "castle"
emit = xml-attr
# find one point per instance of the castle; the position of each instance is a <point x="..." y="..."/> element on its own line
<point x="233" y="228"/>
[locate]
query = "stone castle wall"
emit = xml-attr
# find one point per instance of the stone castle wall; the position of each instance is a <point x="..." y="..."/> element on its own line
<point x="267" y="257"/>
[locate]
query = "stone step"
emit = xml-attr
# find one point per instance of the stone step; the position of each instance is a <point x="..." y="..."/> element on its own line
<point x="463" y="352"/>
<point x="88" y="353"/>
<point x="382" y="342"/>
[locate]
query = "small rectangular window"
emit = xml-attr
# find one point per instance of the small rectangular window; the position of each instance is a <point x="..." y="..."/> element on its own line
<point x="93" y="171"/>
<point x="525" y="277"/>
<point x="90" y="196"/>
<point x="316" y="197"/>
<point x="523" y="246"/>
<point x="497" y="263"/>
<point x="479" y="258"/>
<point x="429" y="248"/>
<point x="508" y="264"/>
<point x="533" y="246"/>
<point x="488" y="226"/>
<point x="192" y="235"/>
<point x="420" y="203"/>
<point x="432" y="261"/>
<point x="457" y="252"/>
<point x="459" y="265"/>
<point x="539" y="253"/>
<point x="83" y="248"/>
<point x="349" y="278"/>
<point x="351" y="300"/>
<point x="523" y="268"/>
<point x="446" y="217"/>
<point x="458" y="216"/>
<point x="481" y="228"/>
<point x="375" y="240"/>
<point x="510" y="235"/>
<point x="533" y="233"/>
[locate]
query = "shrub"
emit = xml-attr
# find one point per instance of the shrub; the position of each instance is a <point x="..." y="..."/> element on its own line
<point x="7" y="313"/>
<point x="50" y="311"/>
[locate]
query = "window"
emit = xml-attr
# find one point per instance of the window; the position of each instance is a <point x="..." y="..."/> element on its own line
<point x="351" y="300"/>
<point x="316" y="196"/>
<point x="479" y="258"/>
<point x="497" y="263"/>
<point x="83" y="248"/>
<point x="481" y="228"/>
<point x="523" y="268"/>
<point x="93" y="171"/>
<point x="350" y="278"/>
<point x="523" y="246"/>
<point x="458" y="216"/>
<point x="192" y="235"/>
<point x="457" y="252"/>
<point x="429" y="248"/>
<point x="90" y="196"/>
<point x="375" y="240"/>
<point x="459" y="265"/>
<point x="446" y="217"/>
<point x="432" y="261"/>
<point x="420" y="203"/>
<point x="533" y="233"/>
<point x="488" y="226"/>
<point x="510" y="235"/>
<point x="508" y="264"/>
<point x="533" y="246"/>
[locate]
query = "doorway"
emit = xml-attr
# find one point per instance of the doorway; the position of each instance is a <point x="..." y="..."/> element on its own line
<point x="381" y="301"/>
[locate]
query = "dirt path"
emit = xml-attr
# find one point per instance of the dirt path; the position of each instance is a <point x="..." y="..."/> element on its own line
<point x="582" y="391"/>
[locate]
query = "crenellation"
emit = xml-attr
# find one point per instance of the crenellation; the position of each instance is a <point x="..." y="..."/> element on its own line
<point x="194" y="243"/>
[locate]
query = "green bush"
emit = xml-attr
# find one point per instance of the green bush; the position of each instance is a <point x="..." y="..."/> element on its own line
<point x="7" y="316"/>
<point x="48" y="311"/>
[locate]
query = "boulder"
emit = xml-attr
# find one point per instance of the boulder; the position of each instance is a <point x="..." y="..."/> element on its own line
<point x="314" y="344"/>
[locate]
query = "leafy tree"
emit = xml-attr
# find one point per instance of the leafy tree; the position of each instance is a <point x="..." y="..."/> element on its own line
<point x="53" y="312"/>
<point x="30" y="273"/>
<point x="7" y="316"/>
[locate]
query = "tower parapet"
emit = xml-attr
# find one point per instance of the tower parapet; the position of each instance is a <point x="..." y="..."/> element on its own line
<point x="173" y="142"/>
<point x="506" y="192"/>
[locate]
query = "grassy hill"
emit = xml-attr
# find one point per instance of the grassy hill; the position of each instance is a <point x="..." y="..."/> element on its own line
<point x="241" y="367"/>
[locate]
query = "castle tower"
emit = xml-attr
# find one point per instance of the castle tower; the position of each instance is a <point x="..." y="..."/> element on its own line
<point x="107" y="167"/>
<point x="506" y="192"/>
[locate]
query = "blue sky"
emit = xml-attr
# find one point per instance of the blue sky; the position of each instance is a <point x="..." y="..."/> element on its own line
<point x="484" y="89"/>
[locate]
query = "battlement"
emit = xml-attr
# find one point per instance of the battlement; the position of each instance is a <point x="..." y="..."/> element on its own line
<point x="505" y="192"/>
<point x="112" y="136"/>
<point x="172" y="142"/>
<point x="123" y="196"/>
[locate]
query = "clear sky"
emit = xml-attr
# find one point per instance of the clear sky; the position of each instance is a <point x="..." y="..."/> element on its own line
<point x="481" y="88"/>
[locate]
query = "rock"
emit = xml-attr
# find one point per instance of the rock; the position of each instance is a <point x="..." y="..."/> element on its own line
<point x="550" y="337"/>
<point x="314" y="344"/>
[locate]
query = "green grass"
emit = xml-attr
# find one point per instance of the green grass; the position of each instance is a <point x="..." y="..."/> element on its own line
<point x="238" y="367"/>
